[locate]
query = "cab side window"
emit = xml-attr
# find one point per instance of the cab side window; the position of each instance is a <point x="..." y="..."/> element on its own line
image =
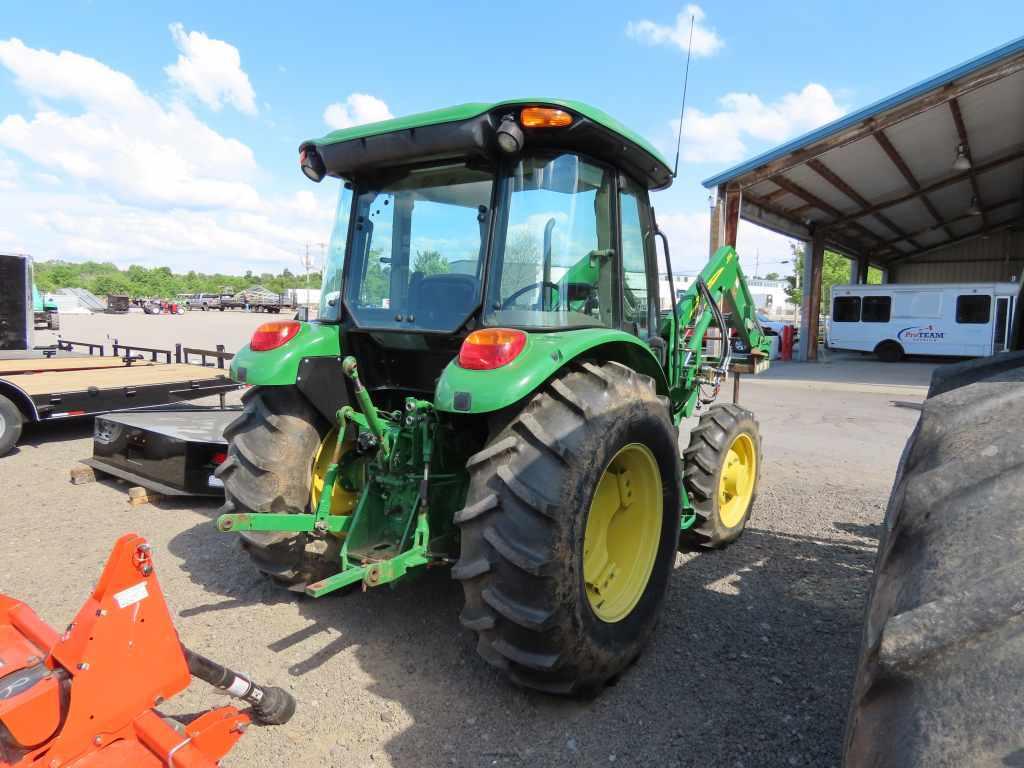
<point x="636" y="240"/>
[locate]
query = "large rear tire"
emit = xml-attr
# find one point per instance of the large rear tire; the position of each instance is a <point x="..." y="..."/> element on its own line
<point x="942" y="656"/>
<point x="271" y="449"/>
<point x="591" y="462"/>
<point x="721" y="469"/>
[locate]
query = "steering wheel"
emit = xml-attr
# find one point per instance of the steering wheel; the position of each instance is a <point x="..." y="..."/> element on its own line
<point x="526" y="288"/>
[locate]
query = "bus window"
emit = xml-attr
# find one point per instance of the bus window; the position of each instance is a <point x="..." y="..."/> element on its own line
<point x="973" y="309"/>
<point x="846" y="309"/>
<point x="877" y="309"/>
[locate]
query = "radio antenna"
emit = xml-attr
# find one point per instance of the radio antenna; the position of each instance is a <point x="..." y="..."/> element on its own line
<point x="682" y="108"/>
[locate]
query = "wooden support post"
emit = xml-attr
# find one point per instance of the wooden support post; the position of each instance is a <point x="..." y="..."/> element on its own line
<point x="82" y="474"/>
<point x="814" y="258"/>
<point x="733" y="199"/>
<point x="862" y="270"/>
<point x="137" y="496"/>
<point x="717" y="230"/>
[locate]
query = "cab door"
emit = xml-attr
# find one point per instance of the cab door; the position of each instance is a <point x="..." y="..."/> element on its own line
<point x="640" y="301"/>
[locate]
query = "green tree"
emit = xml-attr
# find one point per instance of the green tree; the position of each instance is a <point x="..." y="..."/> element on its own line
<point x="772" y="276"/>
<point x="874" y="276"/>
<point x="521" y="264"/>
<point x="835" y="270"/>
<point x="430" y="263"/>
<point x="157" y="282"/>
<point x="376" y="281"/>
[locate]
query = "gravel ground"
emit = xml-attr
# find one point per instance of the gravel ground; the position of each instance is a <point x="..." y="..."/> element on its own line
<point x="751" y="666"/>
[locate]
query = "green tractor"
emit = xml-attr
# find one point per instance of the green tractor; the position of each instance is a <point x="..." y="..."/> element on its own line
<point x="494" y="383"/>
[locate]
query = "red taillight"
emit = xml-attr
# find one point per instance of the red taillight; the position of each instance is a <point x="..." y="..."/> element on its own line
<point x="218" y="457"/>
<point x="273" y="335"/>
<point x="491" y="348"/>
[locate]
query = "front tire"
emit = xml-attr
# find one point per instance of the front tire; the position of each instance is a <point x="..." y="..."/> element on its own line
<point x="890" y="352"/>
<point x="721" y="469"/>
<point x="527" y="544"/>
<point x="271" y="448"/>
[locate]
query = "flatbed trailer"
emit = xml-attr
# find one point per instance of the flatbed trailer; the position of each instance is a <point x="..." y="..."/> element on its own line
<point x="60" y="383"/>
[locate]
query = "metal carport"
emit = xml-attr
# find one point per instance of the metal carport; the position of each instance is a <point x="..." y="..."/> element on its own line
<point x="927" y="184"/>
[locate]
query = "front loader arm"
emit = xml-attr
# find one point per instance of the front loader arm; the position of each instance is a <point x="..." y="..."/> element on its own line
<point x="719" y="297"/>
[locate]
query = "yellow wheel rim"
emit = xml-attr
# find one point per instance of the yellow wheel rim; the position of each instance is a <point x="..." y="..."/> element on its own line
<point x="623" y="530"/>
<point x="736" y="483"/>
<point x="342" y="501"/>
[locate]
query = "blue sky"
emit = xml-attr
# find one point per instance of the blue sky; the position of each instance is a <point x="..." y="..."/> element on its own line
<point x="167" y="134"/>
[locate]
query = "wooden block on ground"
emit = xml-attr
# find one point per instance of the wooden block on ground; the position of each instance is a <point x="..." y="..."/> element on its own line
<point x="82" y="474"/>
<point x="137" y="496"/>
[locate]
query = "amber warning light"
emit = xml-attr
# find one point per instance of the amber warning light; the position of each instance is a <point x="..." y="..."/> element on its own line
<point x="544" y="117"/>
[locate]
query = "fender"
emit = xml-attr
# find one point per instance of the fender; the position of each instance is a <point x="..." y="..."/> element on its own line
<point x="280" y="367"/>
<point x="460" y="390"/>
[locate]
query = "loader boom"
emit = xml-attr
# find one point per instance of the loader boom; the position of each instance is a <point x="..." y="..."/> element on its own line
<point x="719" y="298"/>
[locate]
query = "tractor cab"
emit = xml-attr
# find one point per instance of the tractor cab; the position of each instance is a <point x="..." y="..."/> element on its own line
<point x="522" y="215"/>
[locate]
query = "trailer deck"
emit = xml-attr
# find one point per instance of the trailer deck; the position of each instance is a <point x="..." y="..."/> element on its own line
<point x="61" y="383"/>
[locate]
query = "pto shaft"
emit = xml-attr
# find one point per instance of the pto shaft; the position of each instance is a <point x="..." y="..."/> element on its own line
<point x="270" y="706"/>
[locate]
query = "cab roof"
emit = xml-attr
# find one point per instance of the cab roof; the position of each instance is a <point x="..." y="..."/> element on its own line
<point x="468" y="129"/>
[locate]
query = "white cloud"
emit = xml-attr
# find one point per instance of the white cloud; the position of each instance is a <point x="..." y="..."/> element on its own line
<point x="134" y="181"/>
<point x="706" y="41"/>
<point x="121" y="141"/>
<point x="212" y="70"/>
<point x="721" y="137"/>
<point x="357" y="109"/>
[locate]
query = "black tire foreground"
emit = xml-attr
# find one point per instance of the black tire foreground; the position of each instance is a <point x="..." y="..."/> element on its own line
<point x="271" y="446"/>
<point x="942" y="661"/>
<point x="523" y="525"/>
<point x="704" y="458"/>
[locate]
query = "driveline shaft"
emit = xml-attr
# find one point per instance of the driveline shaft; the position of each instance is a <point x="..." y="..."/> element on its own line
<point x="270" y="706"/>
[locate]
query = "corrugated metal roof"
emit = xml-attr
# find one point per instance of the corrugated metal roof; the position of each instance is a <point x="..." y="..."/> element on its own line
<point x="883" y="105"/>
<point x="882" y="182"/>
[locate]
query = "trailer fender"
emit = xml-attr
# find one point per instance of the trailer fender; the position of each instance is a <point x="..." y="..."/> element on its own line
<point x="20" y="398"/>
<point x="460" y="390"/>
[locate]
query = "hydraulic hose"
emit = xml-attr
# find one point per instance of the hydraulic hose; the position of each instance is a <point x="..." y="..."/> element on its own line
<point x="726" y="358"/>
<point x="270" y="706"/>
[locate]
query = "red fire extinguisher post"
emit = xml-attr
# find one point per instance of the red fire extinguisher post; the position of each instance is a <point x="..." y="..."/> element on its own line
<point x="786" y="348"/>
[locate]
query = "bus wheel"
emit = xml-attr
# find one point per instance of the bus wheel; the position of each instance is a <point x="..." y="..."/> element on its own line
<point x="889" y="352"/>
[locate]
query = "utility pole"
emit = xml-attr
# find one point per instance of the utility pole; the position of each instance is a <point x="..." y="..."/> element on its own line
<point x="307" y="262"/>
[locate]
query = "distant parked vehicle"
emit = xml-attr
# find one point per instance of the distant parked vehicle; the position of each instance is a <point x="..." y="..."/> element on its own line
<point x="772" y="327"/>
<point x="204" y="301"/>
<point x="957" y="319"/>
<point x="118" y="303"/>
<point x="257" y="299"/>
<point x="45" y="312"/>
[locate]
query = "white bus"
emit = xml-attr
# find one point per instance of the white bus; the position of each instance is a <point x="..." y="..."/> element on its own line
<point x="966" y="319"/>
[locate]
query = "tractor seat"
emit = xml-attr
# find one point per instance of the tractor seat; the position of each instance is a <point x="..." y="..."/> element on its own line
<point x="441" y="302"/>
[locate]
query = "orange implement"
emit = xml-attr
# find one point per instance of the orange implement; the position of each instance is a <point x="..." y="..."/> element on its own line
<point x="86" y="699"/>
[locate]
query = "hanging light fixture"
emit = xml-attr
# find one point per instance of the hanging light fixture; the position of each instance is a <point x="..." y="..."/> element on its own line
<point x="962" y="161"/>
<point x="973" y="209"/>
